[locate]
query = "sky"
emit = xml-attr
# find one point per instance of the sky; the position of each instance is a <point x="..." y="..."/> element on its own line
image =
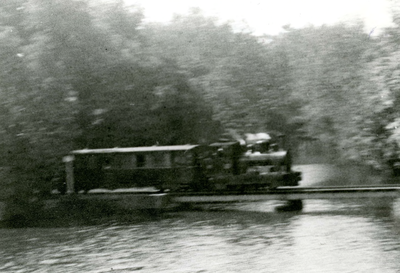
<point x="268" y="16"/>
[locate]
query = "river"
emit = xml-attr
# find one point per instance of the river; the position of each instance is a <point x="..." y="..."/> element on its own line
<point x="326" y="236"/>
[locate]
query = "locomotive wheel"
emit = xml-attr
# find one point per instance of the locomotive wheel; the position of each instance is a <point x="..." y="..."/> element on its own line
<point x="291" y="205"/>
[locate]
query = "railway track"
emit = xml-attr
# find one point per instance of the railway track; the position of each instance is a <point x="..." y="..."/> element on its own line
<point x="291" y="193"/>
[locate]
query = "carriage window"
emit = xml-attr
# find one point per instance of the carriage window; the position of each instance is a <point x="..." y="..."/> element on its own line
<point x="164" y="160"/>
<point x="180" y="159"/>
<point x="158" y="160"/>
<point x="167" y="160"/>
<point x="149" y="161"/>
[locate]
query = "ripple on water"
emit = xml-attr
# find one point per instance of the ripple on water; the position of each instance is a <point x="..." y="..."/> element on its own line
<point x="328" y="236"/>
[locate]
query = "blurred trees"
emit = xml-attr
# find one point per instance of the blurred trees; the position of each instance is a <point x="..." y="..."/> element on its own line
<point x="81" y="73"/>
<point x="304" y="82"/>
<point x="326" y="72"/>
<point x="75" y="75"/>
<point x="243" y="79"/>
<point x="333" y="83"/>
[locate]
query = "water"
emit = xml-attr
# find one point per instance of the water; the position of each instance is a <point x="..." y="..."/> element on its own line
<point x="327" y="236"/>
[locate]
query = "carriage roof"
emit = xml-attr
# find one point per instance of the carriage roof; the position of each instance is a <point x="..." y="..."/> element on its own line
<point x="135" y="149"/>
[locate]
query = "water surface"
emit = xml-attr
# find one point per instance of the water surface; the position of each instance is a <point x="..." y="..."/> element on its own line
<point x="327" y="236"/>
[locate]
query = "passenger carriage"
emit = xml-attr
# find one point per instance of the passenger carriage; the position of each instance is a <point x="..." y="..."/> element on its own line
<point x="161" y="167"/>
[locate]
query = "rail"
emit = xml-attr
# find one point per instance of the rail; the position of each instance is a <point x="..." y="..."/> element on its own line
<point x="291" y="193"/>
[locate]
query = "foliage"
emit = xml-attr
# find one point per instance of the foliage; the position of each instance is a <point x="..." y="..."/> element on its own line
<point x="244" y="81"/>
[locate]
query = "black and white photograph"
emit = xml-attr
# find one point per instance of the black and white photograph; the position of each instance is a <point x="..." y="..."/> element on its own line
<point x="197" y="136"/>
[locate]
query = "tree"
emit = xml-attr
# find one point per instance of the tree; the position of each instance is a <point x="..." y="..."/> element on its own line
<point x="243" y="79"/>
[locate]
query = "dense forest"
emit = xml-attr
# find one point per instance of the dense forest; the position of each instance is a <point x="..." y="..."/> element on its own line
<point x="86" y="74"/>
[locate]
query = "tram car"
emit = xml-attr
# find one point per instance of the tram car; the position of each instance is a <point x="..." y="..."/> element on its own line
<point x="160" y="167"/>
<point x="220" y="166"/>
